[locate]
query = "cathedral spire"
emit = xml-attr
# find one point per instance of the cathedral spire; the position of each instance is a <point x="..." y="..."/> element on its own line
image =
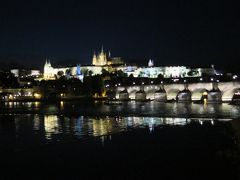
<point x="94" y="61"/>
<point x="102" y="49"/>
<point x="49" y="63"/>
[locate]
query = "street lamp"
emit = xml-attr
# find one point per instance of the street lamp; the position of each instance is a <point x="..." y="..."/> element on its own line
<point x="235" y="77"/>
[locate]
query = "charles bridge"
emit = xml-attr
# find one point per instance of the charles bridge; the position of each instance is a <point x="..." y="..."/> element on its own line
<point x="206" y="91"/>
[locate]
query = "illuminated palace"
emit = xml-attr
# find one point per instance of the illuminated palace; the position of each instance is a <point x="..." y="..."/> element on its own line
<point x="103" y="61"/>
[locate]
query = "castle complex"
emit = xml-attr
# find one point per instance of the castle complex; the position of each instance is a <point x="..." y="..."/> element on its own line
<point x="102" y="61"/>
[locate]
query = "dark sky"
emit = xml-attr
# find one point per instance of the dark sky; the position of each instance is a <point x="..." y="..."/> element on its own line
<point x="170" y="32"/>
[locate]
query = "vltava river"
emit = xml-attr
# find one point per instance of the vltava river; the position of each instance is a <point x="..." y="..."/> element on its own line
<point x="149" y="109"/>
<point x="135" y="140"/>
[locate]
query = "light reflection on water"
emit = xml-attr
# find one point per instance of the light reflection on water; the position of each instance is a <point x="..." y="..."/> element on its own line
<point x="51" y="125"/>
<point x="126" y="109"/>
<point x="82" y="127"/>
<point x="84" y="120"/>
<point x="80" y="139"/>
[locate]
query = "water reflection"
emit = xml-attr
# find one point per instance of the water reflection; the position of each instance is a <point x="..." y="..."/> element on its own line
<point x="82" y="127"/>
<point x="126" y="109"/>
<point x="51" y="125"/>
<point x="37" y="123"/>
<point x="58" y="140"/>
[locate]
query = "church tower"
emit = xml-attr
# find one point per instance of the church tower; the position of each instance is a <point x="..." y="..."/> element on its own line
<point x="150" y="63"/>
<point x="100" y="59"/>
<point x="48" y="70"/>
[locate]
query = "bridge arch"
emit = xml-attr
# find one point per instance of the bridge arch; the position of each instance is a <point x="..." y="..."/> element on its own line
<point x="172" y="94"/>
<point x="197" y="94"/>
<point x="150" y="90"/>
<point x="140" y="95"/>
<point x="228" y="95"/>
<point x="132" y="90"/>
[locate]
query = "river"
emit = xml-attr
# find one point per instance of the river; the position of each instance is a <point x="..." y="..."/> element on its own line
<point x="82" y="140"/>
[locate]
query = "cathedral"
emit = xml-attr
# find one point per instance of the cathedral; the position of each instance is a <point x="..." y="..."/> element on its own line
<point x="48" y="70"/>
<point x="100" y="59"/>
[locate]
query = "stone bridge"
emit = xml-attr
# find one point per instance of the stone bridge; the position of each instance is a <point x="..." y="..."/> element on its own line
<point x="209" y="91"/>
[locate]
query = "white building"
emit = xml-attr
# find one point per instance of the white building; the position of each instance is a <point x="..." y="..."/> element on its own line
<point x="76" y="71"/>
<point x="102" y="61"/>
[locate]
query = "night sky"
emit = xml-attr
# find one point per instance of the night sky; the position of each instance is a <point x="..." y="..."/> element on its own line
<point x="169" y="32"/>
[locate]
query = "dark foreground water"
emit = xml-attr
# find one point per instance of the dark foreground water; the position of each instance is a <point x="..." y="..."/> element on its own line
<point x="130" y="141"/>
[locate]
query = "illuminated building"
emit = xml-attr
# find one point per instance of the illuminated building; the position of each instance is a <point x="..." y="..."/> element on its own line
<point x="25" y="73"/>
<point x="150" y="63"/>
<point x="52" y="73"/>
<point x="101" y="61"/>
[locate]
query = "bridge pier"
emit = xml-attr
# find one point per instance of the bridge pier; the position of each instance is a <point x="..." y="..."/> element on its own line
<point x="236" y="97"/>
<point x="140" y="95"/>
<point x="184" y="96"/>
<point x="160" y="95"/>
<point x="214" y="95"/>
<point x="124" y="95"/>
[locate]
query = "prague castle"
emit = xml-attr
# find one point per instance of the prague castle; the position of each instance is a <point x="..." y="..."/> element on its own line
<point x="102" y="61"/>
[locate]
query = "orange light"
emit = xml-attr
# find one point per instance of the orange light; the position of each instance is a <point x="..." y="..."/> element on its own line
<point x="37" y="95"/>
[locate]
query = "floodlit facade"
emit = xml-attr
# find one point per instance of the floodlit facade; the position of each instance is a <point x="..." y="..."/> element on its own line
<point x="102" y="61"/>
<point x="25" y="73"/>
<point x="76" y="71"/>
